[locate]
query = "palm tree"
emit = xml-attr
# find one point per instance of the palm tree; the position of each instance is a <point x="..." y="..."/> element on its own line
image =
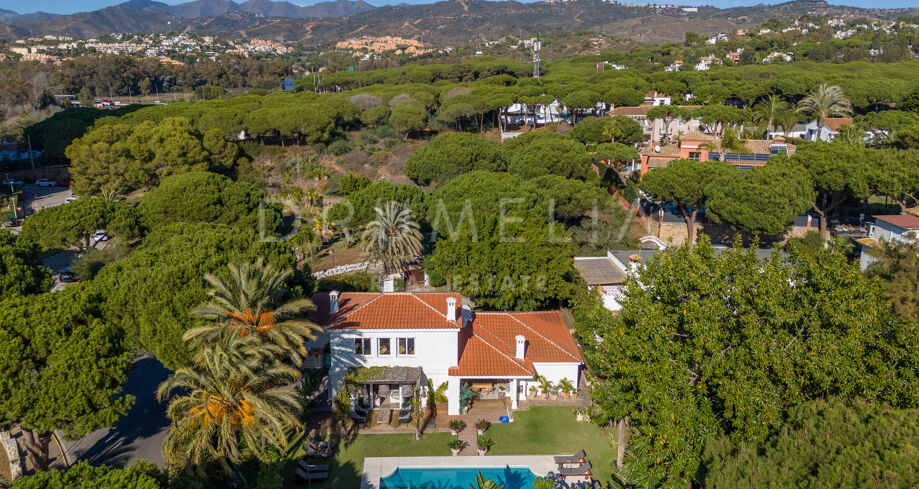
<point x="544" y="385"/>
<point x="787" y="119"/>
<point x="767" y="110"/>
<point x="235" y="393"/>
<point x="393" y="238"/>
<point x="566" y="386"/>
<point x="252" y="301"/>
<point x="825" y="102"/>
<point x="482" y="483"/>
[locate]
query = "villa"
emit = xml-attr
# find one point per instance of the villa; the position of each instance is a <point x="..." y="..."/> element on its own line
<point x="413" y="337"/>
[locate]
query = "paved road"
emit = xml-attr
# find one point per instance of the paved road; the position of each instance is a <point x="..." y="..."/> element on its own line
<point x="137" y="436"/>
<point x="39" y="198"/>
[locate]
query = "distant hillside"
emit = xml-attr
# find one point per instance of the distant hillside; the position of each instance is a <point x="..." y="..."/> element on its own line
<point x="451" y="21"/>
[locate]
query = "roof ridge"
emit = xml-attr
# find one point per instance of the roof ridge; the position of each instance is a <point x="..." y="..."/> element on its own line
<point x="419" y="299"/>
<point x="358" y="308"/>
<point x="527" y="326"/>
<point x="513" y="359"/>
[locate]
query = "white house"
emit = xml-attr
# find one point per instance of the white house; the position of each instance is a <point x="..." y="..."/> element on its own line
<point x="810" y="132"/>
<point x="898" y="228"/>
<point x="431" y="336"/>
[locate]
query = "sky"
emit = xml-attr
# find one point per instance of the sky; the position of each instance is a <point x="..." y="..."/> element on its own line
<point x="71" y="6"/>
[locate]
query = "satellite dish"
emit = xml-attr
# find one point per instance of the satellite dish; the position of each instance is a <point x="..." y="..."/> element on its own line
<point x="657" y="148"/>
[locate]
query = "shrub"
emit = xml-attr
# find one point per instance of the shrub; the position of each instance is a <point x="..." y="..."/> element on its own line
<point x="340" y="147"/>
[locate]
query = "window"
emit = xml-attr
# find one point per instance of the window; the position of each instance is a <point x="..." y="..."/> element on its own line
<point x="695" y="155"/>
<point x="383" y="346"/>
<point x="406" y="346"/>
<point x="362" y="346"/>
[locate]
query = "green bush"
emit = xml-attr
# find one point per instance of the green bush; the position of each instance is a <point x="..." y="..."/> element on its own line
<point x="349" y="282"/>
<point x="340" y="147"/>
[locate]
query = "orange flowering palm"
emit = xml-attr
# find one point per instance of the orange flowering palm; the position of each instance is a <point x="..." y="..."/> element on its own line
<point x="252" y="301"/>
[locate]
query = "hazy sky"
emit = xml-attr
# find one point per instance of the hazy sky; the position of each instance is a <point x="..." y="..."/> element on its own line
<point x="71" y="6"/>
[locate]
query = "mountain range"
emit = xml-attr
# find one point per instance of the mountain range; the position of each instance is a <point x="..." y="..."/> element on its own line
<point x="449" y="21"/>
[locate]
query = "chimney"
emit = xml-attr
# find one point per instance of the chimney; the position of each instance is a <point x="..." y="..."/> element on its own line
<point x="521" y="346"/>
<point x="451" y="308"/>
<point x="333" y="302"/>
<point x="466" y="314"/>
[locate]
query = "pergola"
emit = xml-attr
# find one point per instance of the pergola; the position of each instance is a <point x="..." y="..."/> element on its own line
<point x="386" y="380"/>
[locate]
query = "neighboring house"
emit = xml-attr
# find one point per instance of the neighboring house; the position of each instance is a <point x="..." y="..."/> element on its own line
<point x="897" y="228"/>
<point x="810" y="132"/>
<point x="653" y="130"/>
<point x="706" y="62"/>
<point x="703" y="147"/>
<point x="14" y="152"/>
<point x="419" y="336"/>
<point x="606" y="274"/>
<point x="654" y="99"/>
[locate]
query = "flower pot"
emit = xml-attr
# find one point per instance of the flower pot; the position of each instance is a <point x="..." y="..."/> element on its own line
<point x="580" y="417"/>
<point x="483" y="452"/>
<point x="454" y="432"/>
<point x="480" y="432"/>
<point x="455" y="451"/>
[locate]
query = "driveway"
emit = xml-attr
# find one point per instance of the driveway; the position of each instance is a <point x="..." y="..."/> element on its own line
<point x="137" y="436"/>
<point x="39" y="198"/>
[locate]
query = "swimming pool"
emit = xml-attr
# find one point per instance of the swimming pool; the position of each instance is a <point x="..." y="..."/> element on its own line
<point x="457" y="477"/>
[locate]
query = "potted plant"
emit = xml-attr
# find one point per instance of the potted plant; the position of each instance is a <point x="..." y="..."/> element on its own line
<point x="533" y="391"/>
<point x="581" y="414"/>
<point x="566" y="387"/>
<point x="481" y="426"/>
<point x="456" y="426"/>
<point x="466" y="397"/>
<point x="483" y="444"/>
<point x="456" y="446"/>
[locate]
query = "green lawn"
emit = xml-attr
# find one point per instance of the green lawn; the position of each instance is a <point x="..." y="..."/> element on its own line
<point x="554" y="431"/>
<point x="539" y="431"/>
<point x="346" y="466"/>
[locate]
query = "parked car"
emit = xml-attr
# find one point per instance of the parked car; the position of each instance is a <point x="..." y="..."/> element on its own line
<point x="70" y="199"/>
<point x="44" y="182"/>
<point x="63" y="183"/>
<point x="159" y="102"/>
<point x="67" y="276"/>
<point x="99" y="235"/>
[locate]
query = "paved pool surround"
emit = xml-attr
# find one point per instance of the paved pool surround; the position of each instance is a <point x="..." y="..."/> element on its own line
<point x="376" y="468"/>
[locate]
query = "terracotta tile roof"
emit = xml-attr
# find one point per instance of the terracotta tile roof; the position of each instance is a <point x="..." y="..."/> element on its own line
<point x="905" y="221"/>
<point x="490" y="344"/>
<point x="697" y="136"/>
<point x="394" y="310"/>
<point x="835" y="123"/>
<point x="666" y="150"/>
<point x="641" y="110"/>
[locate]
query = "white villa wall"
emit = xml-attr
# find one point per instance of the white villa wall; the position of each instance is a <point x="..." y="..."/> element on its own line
<point x="435" y="351"/>
<point x="555" y="372"/>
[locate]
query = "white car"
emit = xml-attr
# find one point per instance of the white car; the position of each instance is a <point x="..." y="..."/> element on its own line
<point x="70" y="199"/>
<point x="44" y="182"/>
<point x="159" y="102"/>
<point x="99" y="236"/>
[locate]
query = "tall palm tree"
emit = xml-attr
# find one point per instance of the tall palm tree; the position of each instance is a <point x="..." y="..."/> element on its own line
<point x="253" y="301"/>
<point x="235" y="393"/>
<point x="393" y="237"/>
<point x="825" y="102"/>
<point x="767" y="110"/>
<point x="787" y="119"/>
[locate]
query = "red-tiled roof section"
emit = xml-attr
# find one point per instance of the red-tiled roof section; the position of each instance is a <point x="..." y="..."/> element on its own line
<point x="906" y="221"/>
<point x="835" y="123"/>
<point x="396" y="310"/>
<point x="491" y="350"/>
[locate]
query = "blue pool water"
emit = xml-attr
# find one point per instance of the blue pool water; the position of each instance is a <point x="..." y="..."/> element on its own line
<point x="457" y="478"/>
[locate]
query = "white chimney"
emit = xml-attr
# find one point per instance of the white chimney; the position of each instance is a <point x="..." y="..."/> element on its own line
<point x="521" y="346"/>
<point x="333" y="302"/>
<point x="451" y="308"/>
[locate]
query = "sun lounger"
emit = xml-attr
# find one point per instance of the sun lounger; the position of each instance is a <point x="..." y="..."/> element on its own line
<point x="311" y="476"/>
<point x="312" y="452"/>
<point x="313" y="468"/>
<point x="571" y="459"/>
<point x="579" y="470"/>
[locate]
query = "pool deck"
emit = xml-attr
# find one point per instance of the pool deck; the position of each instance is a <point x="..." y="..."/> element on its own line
<point x="376" y="468"/>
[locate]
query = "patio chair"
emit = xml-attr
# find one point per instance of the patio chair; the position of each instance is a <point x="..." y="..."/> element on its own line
<point x="312" y="476"/>
<point x="312" y="452"/>
<point x="405" y="417"/>
<point x="570" y="459"/>
<point x="582" y="470"/>
<point x="308" y="467"/>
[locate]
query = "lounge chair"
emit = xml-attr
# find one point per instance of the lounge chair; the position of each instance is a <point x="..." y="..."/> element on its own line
<point x="313" y="468"/>
<point x="405" y="418"/>
<point x="311" y="476"/>
<point x="579" y="470"/>
<point x="319" y="444"/>
<point x="312" y="452"/>
<point x="571" y="459"/>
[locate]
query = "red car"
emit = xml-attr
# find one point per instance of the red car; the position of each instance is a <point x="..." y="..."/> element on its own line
<point x="63" y="183"/>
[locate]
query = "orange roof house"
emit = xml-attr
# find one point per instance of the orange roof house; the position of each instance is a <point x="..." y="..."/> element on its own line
<point x="432" y="334"/>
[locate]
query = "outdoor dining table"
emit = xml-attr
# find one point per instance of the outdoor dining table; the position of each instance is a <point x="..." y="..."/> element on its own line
<point x="383" y="415"/>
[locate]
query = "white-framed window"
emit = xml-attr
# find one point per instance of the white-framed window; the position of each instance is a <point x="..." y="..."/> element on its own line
<point x="362" y="346"/>
<point x="383" y="347"/>
<point x="406" y="346"/>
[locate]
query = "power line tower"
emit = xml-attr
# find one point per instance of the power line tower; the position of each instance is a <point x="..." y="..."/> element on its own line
<point x="536" y="46"/>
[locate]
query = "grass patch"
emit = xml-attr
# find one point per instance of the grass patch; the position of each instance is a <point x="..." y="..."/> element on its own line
<point x="544" y="430"/>
<point x="347" y="462"/>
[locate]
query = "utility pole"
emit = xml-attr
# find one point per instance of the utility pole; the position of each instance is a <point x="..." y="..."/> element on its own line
<point x="536" y="46"/>
<point x="31" y="158"/>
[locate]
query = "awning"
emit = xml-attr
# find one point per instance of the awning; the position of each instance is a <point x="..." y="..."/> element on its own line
<point x="385" y="375"/>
